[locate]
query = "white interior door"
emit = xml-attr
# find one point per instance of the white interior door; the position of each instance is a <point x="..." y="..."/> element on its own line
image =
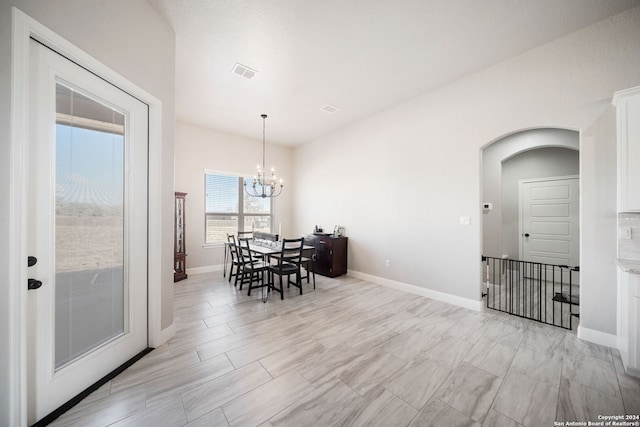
<point x="87" y="216"/>
<point x="549" y="226"/>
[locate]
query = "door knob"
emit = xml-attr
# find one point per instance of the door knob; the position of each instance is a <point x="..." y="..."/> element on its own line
<point x="31" y="261"/>
<point x="526" y="234"/>
<point x="34" y="284"/>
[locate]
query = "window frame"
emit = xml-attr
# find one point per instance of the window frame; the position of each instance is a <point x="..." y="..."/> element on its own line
<point x="240" y="214"/>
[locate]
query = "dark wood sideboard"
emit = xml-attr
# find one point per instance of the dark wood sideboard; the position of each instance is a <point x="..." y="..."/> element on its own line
<point x="331" y="254"/>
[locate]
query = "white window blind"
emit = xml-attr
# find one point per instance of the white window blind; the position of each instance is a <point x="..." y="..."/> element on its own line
<point x="229" y="210"/>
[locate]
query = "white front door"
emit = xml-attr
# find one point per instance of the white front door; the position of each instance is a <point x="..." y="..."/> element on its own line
<point x="87" y="217"/>
<point x="549" y="225"/>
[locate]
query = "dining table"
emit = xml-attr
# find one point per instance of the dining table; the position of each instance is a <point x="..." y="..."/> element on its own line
<point x="266" y="248"/>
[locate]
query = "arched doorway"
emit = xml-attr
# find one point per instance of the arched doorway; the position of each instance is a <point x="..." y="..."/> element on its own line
<point x="546" y="161"/>
<point x="536" y="153"/>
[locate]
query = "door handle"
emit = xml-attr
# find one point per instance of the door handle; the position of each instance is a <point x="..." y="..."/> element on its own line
<point x="31" y="261"/>
<point x="526" y="234"/>
<point x="34" y="284"/>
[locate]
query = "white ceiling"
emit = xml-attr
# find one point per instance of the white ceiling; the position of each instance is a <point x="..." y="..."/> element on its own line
<point x="362" y="56"/>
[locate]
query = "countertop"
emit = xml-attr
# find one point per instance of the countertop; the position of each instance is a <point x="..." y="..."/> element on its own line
<point x="629" y="266"/>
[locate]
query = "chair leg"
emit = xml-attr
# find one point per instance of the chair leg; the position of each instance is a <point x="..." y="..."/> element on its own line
<point x="231" y="272"/>
<point x="281" y="289"/>
<point x="308" y="271"/>
<point x="299" y="279"/>
<point x="235" y="282"/>
<point x="241" y="279"/>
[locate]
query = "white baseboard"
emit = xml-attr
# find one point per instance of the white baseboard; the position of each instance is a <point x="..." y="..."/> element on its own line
<point x="165" y="335"/>
<point x="205" y="269"/>
<point x="417" y="290"/>
<point x="597" y="337"/>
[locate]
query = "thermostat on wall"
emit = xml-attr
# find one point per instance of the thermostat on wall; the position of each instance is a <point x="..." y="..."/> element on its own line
<point x="487" y="206"/>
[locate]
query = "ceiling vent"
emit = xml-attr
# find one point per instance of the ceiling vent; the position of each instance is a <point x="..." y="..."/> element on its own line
<point x="244" y="71"/>
<point x="330" y="109"/>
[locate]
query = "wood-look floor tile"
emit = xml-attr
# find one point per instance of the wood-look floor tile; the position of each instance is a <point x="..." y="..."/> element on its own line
<point x="381" y="408"/>
<point x="169" y="414"/>
<point x="542" y="339"/>
<point x="408" y="344"/>
<point x="368" y="338"/>
<point x="162" y="367"/>
<point x="470" y="390"/>
<point x="106" y="411"/>
<point x="214" y="418"/>
<point x="539" y="364"/>
<point x="331" y="403"/>
<point x="224" y="344"/>
<point x="418" y="381"/>
<point x="291" y="357"/>
<point x="574" y="344"/>
<point x="163" y="386"/>
<point x="437" y="413"/>
<point x="581" y="403"/>
<point x="215" y="393"/>
<point x="469" y="328"/>
<point x="592" y="372"/>
<point x="263" y="402"/>
<point x="503" y="333"/>
<point x="436" y="326"/>
<point x="182" y="344"/>
<point x="496" y="419"/>
<point x="354" y="353"/>
<point x="370" y="370"/>
<point x="449" y="351"/>
<point x="258" y="349"/>
<point x="529" y="402"/>
<point x="329" y="364"/>
<point x="491" y="356"/>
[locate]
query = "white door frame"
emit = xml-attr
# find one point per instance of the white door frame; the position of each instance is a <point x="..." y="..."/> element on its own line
<point x="24" y="28"/>
<point x="520" y="202"/>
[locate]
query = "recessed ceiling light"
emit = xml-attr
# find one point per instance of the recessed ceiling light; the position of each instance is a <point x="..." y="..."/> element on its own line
<point x="331" y="109"/>
<point x="244" y="71"/>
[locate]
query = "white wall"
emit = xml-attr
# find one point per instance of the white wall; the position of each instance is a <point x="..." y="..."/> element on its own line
<point x="539" y="163"/>
<point x="492" y="158"/>
<point x="399" y="180"/>
<point x="130" y="37"/>
<point x="598" y="243"/>
<point x="198" y="149"/>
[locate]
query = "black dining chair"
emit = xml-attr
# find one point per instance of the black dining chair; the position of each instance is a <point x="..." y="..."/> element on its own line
<point x="245" y="234"/>
<point x="252" y="270"/>
<point x="235" y="261"/>
<point x="309" y="264"/>
<point x="288" y="262"/>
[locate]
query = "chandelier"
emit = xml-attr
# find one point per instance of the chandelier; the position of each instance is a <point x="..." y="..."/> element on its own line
<point x="262" y="185"/>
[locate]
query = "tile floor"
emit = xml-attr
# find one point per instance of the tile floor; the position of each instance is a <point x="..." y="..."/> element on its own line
<point x="355" y="353"/>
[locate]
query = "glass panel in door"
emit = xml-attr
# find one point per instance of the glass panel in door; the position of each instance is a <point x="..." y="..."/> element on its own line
<point x="90" y="286"/>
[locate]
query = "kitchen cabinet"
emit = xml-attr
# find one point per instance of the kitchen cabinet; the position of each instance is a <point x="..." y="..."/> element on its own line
<point x="629" y="317"/>
<point x="627" y="103"/>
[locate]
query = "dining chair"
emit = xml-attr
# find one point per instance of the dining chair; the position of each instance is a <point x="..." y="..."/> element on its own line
<point x="251" y="236"/>
<point x="288" y="262"/>
<point x="309" y="264"/>
<point x="235" y="261"/>
<point x="252" y="269"/>
<point x="245" y="234"/>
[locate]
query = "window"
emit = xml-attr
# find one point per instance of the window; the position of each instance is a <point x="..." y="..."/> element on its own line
<point x="228" y="209"/>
